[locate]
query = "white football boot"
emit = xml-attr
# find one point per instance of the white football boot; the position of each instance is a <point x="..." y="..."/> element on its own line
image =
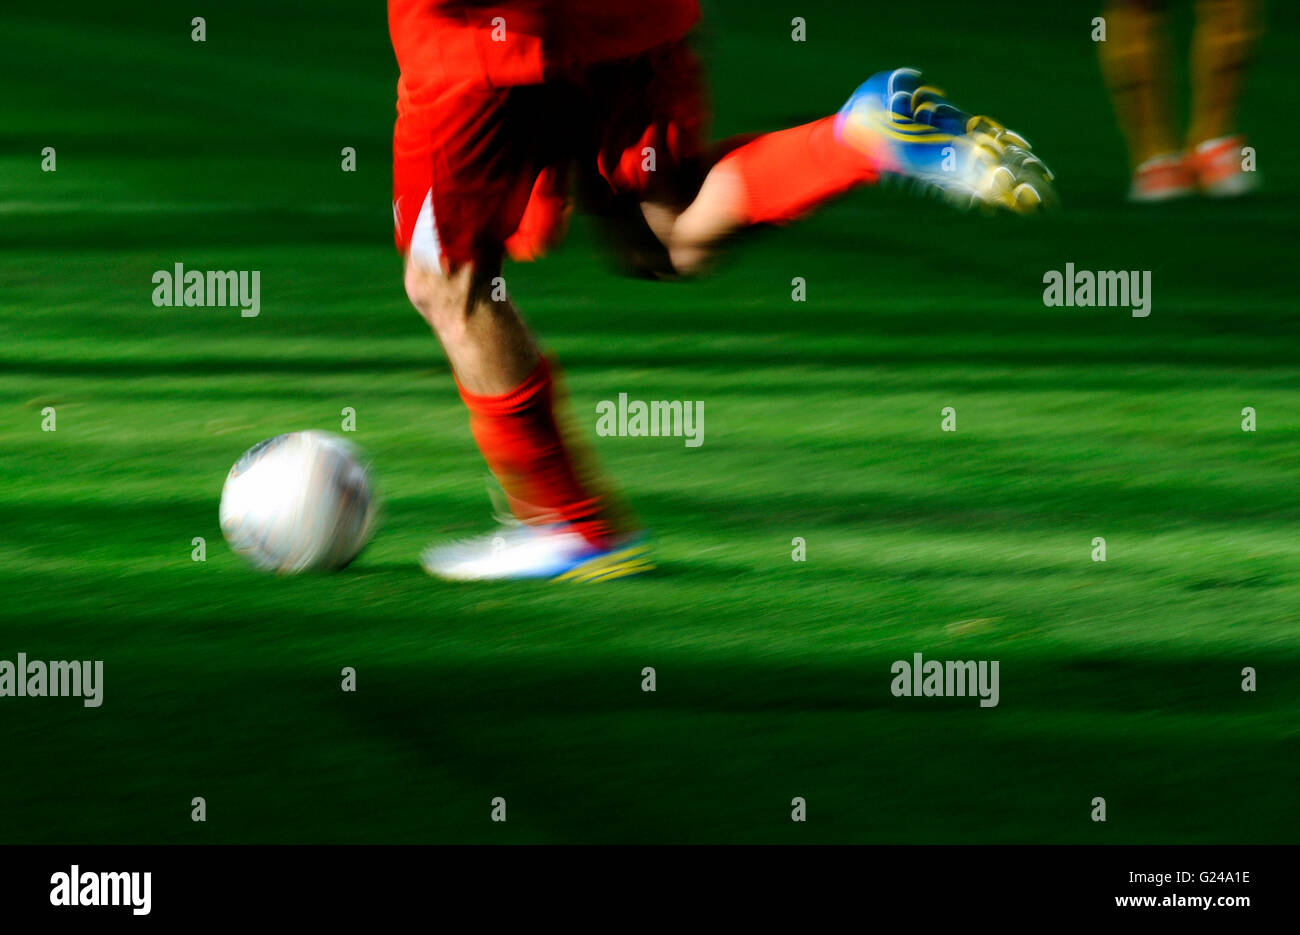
<point x="518" y="551"/>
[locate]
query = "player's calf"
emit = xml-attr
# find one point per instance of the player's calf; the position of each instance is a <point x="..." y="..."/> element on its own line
<point x="488" y="345"/>
<point x="716" y="214"/>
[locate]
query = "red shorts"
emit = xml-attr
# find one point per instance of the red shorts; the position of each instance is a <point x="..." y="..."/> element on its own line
<point x="479" y="170"/>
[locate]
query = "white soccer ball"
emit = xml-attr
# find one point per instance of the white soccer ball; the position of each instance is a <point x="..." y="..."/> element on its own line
<point x="298" y="502"/>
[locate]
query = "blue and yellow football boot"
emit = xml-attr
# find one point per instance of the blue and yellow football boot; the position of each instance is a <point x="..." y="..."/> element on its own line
<point x="913" y="132"/>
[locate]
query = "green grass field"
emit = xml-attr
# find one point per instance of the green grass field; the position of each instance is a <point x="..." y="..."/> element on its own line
<point x="1120" y="680"/>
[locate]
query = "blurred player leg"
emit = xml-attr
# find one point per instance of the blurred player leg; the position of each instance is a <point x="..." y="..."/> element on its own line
<point x="771" y="178"/>
<point x="456" y="214"/>
<point x="892" y="125"/>
<point x="1135" y="60"/>
<point x="1221" y="50"/>
<point x="564" y="519"/>
<point x="651" y="115"/>
<point x="507" y="386"/>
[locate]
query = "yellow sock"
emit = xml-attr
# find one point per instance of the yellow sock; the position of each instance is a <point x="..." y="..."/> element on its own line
<point x="1221" y="48"/>
<point x="1135" y="60"/>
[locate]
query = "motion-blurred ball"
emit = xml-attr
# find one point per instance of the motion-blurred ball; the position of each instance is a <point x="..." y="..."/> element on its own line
<point x="298" y="502"/>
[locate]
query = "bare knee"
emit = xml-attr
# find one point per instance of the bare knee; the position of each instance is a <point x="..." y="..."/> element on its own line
<point x="487" y="344"/>
<point x="445" y="300"/>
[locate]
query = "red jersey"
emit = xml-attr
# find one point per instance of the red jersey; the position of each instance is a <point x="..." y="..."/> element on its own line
<point x="499" y="43"/>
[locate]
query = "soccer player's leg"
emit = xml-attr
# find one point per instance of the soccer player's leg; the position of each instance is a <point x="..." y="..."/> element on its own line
<point x="1135" y="60"/>
<point x="770" y="178"/>
<point x="560" y="524"/>
<point x="892" y="125"/>
<point x="454" y="218"/>
<point x="1222" y="46"/>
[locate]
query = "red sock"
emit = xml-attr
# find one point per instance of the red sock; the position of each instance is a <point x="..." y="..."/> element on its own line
<point x="521" y="441"/>
<point x="790" y="172"/>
